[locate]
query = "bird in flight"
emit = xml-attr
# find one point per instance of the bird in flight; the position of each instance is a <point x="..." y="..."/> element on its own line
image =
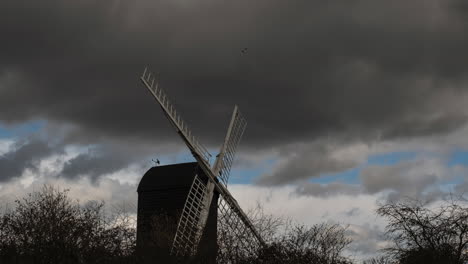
<point x="244" y="50"/>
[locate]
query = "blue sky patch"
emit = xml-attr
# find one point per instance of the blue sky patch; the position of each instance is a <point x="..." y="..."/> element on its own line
<point x="390" y="158"/>
<point x="9" y="131"/>
<point x="458" y="157"/>
<point x="245" y="176"/>
<point x="248" y="175"/>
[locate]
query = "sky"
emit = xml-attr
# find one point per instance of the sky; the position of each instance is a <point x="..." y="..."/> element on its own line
<point x="349" y="103"/>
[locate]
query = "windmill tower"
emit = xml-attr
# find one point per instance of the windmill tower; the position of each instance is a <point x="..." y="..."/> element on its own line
<point x="209" y="182"/>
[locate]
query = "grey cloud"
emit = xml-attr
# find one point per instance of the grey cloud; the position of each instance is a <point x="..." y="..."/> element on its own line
<point x="353" y="212"/>
<point x="328" y="190"/>
<point x="404" y="177"/>
<point x="419" y="179"/>
<point x="29" y="151"/>
<point x="462" y="189"/>
<point x="366" y="239"/>
<point x="91" y="165"/>
<point x="311" y="159"/>
<point x="356" y="69"/>
<point x="115" y="194"/>
<point x="22" y="155"/>
<point x="99" y="161"/>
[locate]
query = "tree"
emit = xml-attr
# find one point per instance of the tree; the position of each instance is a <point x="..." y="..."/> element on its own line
<point x="48" y="227"/>
<point x="287" y="242"/>
<point x="421" y="235"/>
<point x="321" y="244"/>
<point x="380" y="260"/>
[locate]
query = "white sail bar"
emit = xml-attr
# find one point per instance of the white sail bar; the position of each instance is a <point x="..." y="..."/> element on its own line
<point x="221" y="167"/>
<point x="188" y="231"/>
<point x="229" y="200"/>
<point x="236" y="240"/>
<point x="225" y="158"/>
<point x="150" y="81"/>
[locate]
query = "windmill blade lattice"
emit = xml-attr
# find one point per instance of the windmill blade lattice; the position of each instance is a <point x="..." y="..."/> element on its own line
<point x="196" y="208"/>
<point x="195" y="146"/>
<point x="189" y="231"/>
<point x="236" y="240"/>
<point x="223" y="163"/>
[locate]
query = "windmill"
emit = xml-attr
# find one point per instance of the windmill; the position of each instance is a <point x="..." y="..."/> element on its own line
<point x="194" y="215"/>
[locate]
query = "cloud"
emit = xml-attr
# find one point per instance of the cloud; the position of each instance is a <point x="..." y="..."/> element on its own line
<point x="317" y="79"/>
<point x="353" y="211"/>
<point x="363" y="225"/>
<point x="462" y="189"/>
<point x="427" y="178"/>
<point x="297" y="163"/>
<point x="284" y="201"/>
<point x="96" y="163"/>
<point x="47" y="156"/>
<point x="5" y="145"/>
<point x="418" y="179"/>
<point x="350" y="69"/>
<point x="307" y="160"/>
<point x="329" y="190"/>
<point x="367" y="240"/>
<point x="112" y="192"/>
<point x="23" y="155"/>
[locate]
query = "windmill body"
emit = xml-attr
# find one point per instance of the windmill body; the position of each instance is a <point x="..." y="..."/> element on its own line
<point x="162" y="193"/>
<point x="208" y="183"/>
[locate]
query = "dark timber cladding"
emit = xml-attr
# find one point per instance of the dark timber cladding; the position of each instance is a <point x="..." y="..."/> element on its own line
<point x="161" y="197"/>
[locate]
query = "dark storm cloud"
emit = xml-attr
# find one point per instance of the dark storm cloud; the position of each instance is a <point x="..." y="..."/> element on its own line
<point x="29" y="153"/>
<point x="356" y="69"/>
<point x="101" y="160"/>
<point x="312" y="160"/>
<point x="24" y="155"/>
<point x="92" y="165"/>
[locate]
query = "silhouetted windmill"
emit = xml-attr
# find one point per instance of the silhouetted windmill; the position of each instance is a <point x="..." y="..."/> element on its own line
<point x="196" y="209"/>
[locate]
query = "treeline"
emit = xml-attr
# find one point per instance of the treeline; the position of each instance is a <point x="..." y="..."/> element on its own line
<point x="48" y="227"/>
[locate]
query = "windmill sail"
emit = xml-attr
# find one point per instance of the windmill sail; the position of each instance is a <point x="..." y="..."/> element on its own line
<point x="237" y="241"/>
<point x="189" y="230"/>
<point x="194" y="145"/>
<point x="196" y="208"/>
<point x="193" y="214"/>
<point x="225" y="158"/>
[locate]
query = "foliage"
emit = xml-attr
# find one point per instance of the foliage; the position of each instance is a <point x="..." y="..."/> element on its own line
<point x="380" y="260"/>
<point x="321" y="244"/>
<point x="422" y="235"/>
<point x="48" y="227"/>
<point x="288" y="242"/>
